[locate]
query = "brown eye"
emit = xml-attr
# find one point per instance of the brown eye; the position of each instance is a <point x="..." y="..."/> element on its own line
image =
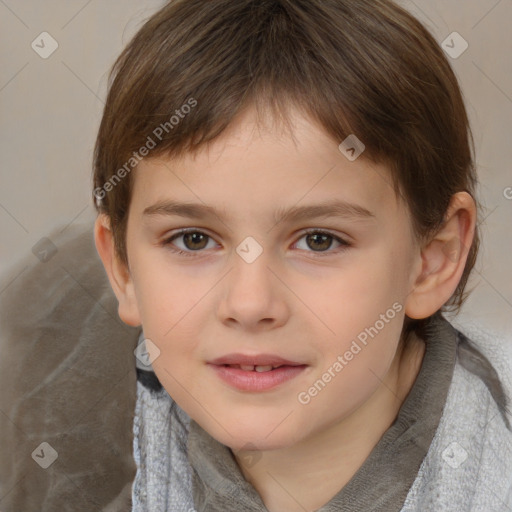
<point x="190" y="242"/>
<point x="319" y="241"/>
<point x="195" y="240"/>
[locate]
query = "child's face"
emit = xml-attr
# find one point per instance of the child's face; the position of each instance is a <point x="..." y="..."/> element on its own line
<point x="304" y="298"/>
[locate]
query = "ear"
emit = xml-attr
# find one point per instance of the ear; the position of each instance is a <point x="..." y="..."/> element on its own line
<point x="118" y="273"/>
<point x="442" y="259"/>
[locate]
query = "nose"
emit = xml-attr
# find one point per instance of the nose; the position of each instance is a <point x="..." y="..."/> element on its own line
<point x="253" y="298"/>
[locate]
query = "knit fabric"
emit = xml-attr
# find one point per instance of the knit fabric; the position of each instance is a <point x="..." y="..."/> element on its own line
<point x="469" y="464"/>
<point x="163" y="479"/>
<point x="465" y="463"/>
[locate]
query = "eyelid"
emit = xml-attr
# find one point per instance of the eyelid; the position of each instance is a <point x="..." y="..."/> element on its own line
<point x="341" y="238"/>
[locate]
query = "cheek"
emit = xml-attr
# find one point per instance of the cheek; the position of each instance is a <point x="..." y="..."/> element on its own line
<point x="362" y="315"/>
<point x="353" y="368"/>
<point x="353" y="298"/>
<point x="168" y="299"/>
<point x="172" y="309"/>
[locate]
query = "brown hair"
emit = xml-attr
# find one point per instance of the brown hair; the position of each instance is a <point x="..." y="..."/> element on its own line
<point x="364" y="67"/>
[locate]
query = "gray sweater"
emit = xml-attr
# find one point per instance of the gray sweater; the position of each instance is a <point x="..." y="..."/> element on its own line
<point x="449" y="449"/>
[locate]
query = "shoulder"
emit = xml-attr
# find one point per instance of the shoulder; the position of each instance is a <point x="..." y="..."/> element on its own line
<point x="469" y="462"/>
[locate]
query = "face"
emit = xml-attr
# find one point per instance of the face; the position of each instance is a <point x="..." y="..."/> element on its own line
<point x="292" y="256"/>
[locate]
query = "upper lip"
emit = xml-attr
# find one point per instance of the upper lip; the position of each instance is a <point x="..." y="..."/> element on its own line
<point x="255" y="360"/>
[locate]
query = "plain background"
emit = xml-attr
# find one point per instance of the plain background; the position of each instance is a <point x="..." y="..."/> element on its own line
<point x="50" y="110"/>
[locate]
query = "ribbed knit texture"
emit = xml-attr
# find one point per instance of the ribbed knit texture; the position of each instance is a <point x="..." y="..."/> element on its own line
<point x="162" y="482"/>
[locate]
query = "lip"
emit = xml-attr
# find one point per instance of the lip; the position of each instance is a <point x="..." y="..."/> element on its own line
<point x="255" y="360"/>
<point x="252" y="380"/>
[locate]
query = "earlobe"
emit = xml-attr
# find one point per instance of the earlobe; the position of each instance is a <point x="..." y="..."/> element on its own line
<point x="117" y="272"/>
<point x="443" y="259"/>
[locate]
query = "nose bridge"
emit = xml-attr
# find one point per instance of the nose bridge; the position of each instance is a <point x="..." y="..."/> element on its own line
<point x="252" y="292"/>
<point x="251" y="275"/>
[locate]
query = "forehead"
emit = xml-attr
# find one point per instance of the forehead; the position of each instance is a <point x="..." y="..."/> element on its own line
<point x="264" y="168"/>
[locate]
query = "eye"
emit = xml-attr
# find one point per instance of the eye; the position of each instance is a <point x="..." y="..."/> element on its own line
<point x="193" y="241"/>
<point x="321" y="241"/>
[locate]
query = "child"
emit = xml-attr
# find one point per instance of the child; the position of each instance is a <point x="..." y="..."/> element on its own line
<point x="282" y="375"/>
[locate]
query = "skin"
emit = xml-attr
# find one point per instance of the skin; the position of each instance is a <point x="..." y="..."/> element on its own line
<point x="300" y="299"/>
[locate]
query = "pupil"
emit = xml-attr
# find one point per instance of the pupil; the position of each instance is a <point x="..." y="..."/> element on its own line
<point x="323" y="238"/>
<point x="194" y="238"/>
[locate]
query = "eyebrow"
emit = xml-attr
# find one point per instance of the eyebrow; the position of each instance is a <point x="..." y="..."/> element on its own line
<point x="200" y="211"/>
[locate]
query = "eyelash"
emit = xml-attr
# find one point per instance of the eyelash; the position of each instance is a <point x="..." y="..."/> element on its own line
<point x="318" y="254"/>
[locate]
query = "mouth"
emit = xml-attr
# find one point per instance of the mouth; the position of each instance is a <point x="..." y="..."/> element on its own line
<point x="254" y="368"/>
<point x="256" y="360"/>
<point x="256" y="373"/>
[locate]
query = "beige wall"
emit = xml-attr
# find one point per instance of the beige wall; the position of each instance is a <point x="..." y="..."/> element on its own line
<point x="50" y="110"/>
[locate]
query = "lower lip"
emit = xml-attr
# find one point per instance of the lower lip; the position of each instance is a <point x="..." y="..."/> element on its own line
<point x="256" y="381"/>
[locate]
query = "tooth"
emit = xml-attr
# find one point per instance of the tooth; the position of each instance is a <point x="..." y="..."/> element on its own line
<point x="263" y="368"/>
<point x="247" y="367"/>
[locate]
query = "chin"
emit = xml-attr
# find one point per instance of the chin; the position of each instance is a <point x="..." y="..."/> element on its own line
<point x="253" y="435"/>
